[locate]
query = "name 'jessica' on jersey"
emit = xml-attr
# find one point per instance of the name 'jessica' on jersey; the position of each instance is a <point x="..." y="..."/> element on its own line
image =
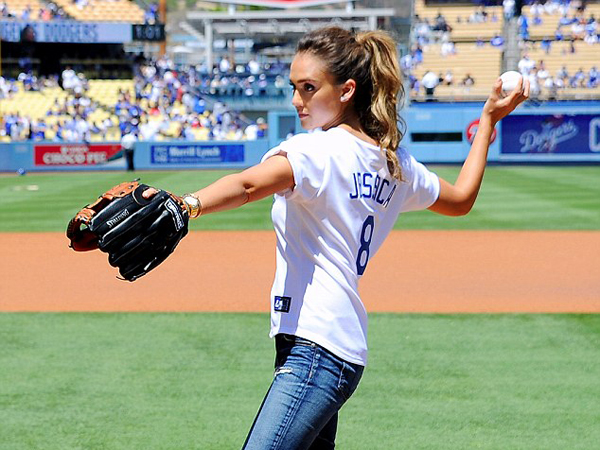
<point x="371" y="185"/>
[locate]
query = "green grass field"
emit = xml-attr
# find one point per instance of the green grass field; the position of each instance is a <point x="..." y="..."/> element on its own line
<point x="512" y="197"/>
<point x="195" y="381"/>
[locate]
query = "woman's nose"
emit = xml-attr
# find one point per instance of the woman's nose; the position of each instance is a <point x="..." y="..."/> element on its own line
<point x="296" y="100"/>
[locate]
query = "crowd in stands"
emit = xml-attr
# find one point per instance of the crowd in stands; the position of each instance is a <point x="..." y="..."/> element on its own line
<point x="574" y="25"/>
<point x="164" y="103"/>
<point x="539" y="76"/>
<point x="46" y="12"/>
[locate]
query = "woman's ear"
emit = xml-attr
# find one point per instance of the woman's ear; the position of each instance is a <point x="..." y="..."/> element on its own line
<point x="348" y="90"/>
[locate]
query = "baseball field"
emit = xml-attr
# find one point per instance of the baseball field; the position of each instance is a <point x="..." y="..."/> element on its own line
<point x="484" y="330"/>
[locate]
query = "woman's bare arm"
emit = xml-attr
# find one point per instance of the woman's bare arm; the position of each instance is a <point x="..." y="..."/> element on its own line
<point x="457" y="199"/>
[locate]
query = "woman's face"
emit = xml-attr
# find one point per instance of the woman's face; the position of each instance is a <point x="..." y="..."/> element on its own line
<point x="317" y="97"/>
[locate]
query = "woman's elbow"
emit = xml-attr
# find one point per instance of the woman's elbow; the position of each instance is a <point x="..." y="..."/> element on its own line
<point x="452" y="207"/>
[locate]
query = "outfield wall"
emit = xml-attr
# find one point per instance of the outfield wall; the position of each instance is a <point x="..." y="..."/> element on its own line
<point x="437" y="133"/>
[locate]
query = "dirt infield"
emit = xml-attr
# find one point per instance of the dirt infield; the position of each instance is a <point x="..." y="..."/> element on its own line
<point x="415" y="271"/>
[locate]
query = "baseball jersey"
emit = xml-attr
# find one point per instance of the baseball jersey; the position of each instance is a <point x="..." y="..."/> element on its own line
<point x="329" y="225"/>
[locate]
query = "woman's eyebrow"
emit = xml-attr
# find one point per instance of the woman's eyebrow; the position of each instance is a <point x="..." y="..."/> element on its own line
<point x="303" y="80"/>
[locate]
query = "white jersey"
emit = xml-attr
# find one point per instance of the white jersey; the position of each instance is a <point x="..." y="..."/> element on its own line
<point x="341" y="209"/>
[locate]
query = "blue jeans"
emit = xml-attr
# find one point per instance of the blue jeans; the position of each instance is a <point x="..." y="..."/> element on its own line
<point x="300" y="410"/>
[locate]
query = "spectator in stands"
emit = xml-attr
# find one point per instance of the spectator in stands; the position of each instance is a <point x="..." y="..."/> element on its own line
<point x="578" y="79"/>
<point x="577" y="30"/>
<point x="128" y="143"/>
<point x="593" y="78"/>
<point x="38" y="130"/>
<point x="563" y="74"/>
<point x="534" y="85"/>
<point x="468" y="81"/>
<point x="279" y="85"/>
<point x="508" y="7"/>
<point x="523" y="27"/>
<point x="551" y="87"/>
<point x="415" y="84"/>
<point x="26" y="13"/>
<point x="254" y="66"/>
<point x="262" y="85"/>
<point x="406" y="64"/>
<point x="417" y="54"/>
<point x="186" y="132"/>
<point x="82" y="128"/>
<point x="30" y="82"/>
<point x="441" y="24"/>
<point x="565" y="20"/>
<point x="546" y="44"/>
<point x="448" y="78"/>
<point x="497" y="41"/>
<point x="525" y="64"/>
<point x="69" y="79"/>
<point x="478" y="16"/>
<point x="430" y="81"/>
<point x="542" y="73"/>
<point x="592" y="38"/>
<point x="225" y="65"/>
<point x="448" y="48"/>
<point x="558" y="35"/>
<point x="5" y="88"/>
<point x="423" y="32"/>
<point x="251" y="131"/>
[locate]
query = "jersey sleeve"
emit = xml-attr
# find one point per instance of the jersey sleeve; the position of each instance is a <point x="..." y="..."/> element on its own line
<point x="309" y="164"/>
<point x="423" y="185"/>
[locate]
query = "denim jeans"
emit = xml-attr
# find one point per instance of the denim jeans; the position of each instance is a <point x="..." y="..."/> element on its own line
<point x="300" y="410"/>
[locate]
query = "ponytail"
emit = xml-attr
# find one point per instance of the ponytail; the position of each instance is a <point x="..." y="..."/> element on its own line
<point x="370" y="59"/>
<point x="381" y="119"/>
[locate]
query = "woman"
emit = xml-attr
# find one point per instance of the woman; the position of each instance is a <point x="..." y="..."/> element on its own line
<point x="338" y="192"/>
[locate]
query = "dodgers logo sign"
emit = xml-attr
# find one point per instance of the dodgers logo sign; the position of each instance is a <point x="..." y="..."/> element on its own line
<point x="550" y="135"/>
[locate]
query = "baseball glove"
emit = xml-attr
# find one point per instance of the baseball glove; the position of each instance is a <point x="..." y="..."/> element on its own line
<point x="137" y="233"/>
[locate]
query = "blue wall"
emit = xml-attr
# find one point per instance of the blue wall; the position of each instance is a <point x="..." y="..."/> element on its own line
<point x="437" y="133"/>
<point x="32" y="156"/>
<point x="557" y="132"/>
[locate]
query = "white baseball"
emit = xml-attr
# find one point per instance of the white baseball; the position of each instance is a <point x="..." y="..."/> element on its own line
<point x="510" y="80"/>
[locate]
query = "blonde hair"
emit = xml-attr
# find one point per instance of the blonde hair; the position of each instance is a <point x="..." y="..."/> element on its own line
<point x="371" y="60"/>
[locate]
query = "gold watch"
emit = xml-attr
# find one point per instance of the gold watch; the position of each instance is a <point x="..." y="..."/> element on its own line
<point x="192" y="205"/>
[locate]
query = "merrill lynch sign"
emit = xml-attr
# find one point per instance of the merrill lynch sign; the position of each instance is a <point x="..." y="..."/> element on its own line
<point x="196" y="153"/>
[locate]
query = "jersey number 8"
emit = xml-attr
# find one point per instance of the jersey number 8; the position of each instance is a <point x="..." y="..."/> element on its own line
<point x="366" y="235"/>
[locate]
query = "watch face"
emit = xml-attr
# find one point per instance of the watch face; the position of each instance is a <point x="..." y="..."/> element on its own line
<point x="192" y="201"/>
<point x="192" y="205"/>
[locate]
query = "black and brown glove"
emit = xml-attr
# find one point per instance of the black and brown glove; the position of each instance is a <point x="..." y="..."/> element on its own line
<point x="137" y="233"/>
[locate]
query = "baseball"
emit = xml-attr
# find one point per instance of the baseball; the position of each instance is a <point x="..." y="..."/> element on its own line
<point x="510" y="80"/>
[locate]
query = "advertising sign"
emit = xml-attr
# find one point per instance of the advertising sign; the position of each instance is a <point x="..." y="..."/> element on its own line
<point x="66" y="31"/>
<point x="472" y="131"/>
<point x="192" y="154"/>
<point x="77" y="154"/>
<point x="542" y="135"/>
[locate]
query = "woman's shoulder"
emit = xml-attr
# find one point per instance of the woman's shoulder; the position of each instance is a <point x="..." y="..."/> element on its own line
<point x="407" y="162"/>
